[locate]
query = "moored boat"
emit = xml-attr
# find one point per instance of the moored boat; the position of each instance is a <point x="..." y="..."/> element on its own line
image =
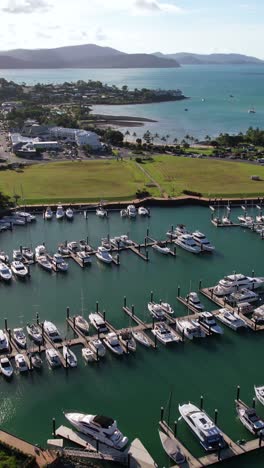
<point x="97" y="347"/>
<point x="172" y="448"/>
<point x="21" y="364"/>
<point x="69" y="214"/>
<point x="19" y="269"/>
<point x="6" y="367"/>
<point x="231" y="319"/>
<point x="34" y="333"/>
<point x="101" y="212"/>
<point x="206" y="319"/>
<point x="60" y="213"/>
<point x="141" y="338"/>
<point x="249" y="418"/>
<point x="112" y="342"/>
<point x="131" y="211"/>
<point x="187" y="242"/>
<point x="20" y="337"/>
<point x="4" y="341"/>
<point x="104" y="255"/>
<point x="164" y="334"/>
<point x="81" y="324"/>
<point x="202" y="241"/>
<point x="161" y="247"/>
<point x="69" y="356"/>
<point x="142" y="211"/>
<point x="59" y="263"/>
<point x="193" y="300"/>
<point x="156" y="311"/>
<point x="5" y="272"/>
<point x="52" y="331"/>
<point x="36" y="360"/>
<point x="98" y="323"/>
<point x="88" y="355"/>
<point x="48" y="215"/>
<point x="53" y="357"/>
<point x="259" y="392"/>
<point x="128" y="341"/>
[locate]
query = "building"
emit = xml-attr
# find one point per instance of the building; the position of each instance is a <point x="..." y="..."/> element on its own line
<point x="80" y="137"/>
<point x="28" y="145"/>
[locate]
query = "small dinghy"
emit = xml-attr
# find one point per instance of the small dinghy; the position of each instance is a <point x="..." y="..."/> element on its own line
<point x="171" y="448"/>
<point x="69" y="356"/>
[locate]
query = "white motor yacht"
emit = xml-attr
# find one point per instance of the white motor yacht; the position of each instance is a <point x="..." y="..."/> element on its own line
<point x="125" y="240"/>
<point x="88" y="355"/>
<point x="34" y="333"/>
<point x="21" y="363"/>
<point x="231" y="320"/>
<point x="81" y="324"/>
<point x="60" y="213"/>
<point x="6" y="367"/>
<point x="59" y="263"/>
<point x="131" y="211"/>
<point x="142" y="211"/>
<point x="101" y="428"/>
<point x="156" y="311"/>
<point x="202" y="426"/>
<point x="53" y="357"/>
<point x="17" y="256"/>
<point x="189" y="329"/>
<point x="3" y="257"/>
<point x="83" y="244"/>
<point x="84" y="257"/>
<point x="4" y="342"/>
<point x="52" y="331"/>
<point x="167" y="308"/>
<point x="40" y="250"/>
<point x="128" y="341"/>
<point x="141" y="338"/>
<point x="249" y="418"/>
<point x="63" y="249"/>
<point x="202" y="241"/>
<point x="20" y="337"/>
<point x="104" y="255"/>
<point x="28" y="217"/>
<point x="164" y="334"/>
<point x="101" y="212"/>
<point x="232" y="283"/>
<point x="197" y="331"/>
<point x="48" y="215"/>
<point x="69" y="356"/>
<point x="5" y="272"/>
<point x="28" y="254"/>
<point x="206" y="319"/>
<point x="98" y="323"/>
<point x="97" y="347"/>
<point x="258" y="315"/>
<point x="112" y="342"/>
<point x="69" y="214"/>
<point x="187" y="242"/>
<point x="73" y="246"/>
<point x="161" y="248"/>
<point x="243" y="295"/>
<point x="259" y="392"/>
<point x="44" y="262"/>
<point x="193" y="300"/>
<point x="19" y="269"/>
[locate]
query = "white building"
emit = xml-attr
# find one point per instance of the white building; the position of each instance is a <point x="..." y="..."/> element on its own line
<point x="80" y="137"/>
<point x="29" y="144"/>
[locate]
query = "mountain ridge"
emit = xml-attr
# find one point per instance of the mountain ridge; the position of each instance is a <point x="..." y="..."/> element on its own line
<point x="188" y="58"/>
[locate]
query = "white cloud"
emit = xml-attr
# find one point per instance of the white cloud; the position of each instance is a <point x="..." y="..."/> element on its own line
<point x="100" y="35"/>
<point x="25" y="6"/>
<point x="144" y="7"/>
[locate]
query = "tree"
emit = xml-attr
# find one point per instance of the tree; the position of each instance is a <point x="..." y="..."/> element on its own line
<point x="139" y="141"/>
<point x="175" y="141"/>
<point x="114" y="137"/>
<point x="147" y="137"/>
<point x="5" y="201"/>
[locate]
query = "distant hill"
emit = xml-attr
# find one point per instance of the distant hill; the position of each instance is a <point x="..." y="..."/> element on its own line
<point x="186" y="58"/>
<point x="82" y="56"/>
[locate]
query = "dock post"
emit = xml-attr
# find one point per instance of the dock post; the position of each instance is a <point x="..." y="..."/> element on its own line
<point x="215" y="416"/>
<point x="30" y="362"/>
<point x="145" y="242"/>
<point x="151" y="296"/>
<point x="127" y="351"/>
<point x="147" y="233"/>
<point x="39" y="346"/>
<point x="133" y="310"/>
<point x="54" y="427"/>
<point x="254" y="402"/>
<point x="104" y="315"/>
<point x="161" y="413"/>
<point x="219" y="452"/>
<point x="125" y="301"/>
<point x="260" y="438"/>
<point x="74" y="325"/>
<point x="29" y="273"/>
<point x="42" y="331"/>
<point x="118" y="259"/>
<point x="183" y="336"/>
<point x="5" y="324"/>
<point x="66" y="359"/>
<point x="179" y="291"/>
<point x="153" y="322"/>
<point x="160" y="301"/>
<point x="155" y="341"/>
<point x="174" y="250"/>
<point x="139" y="247"/>
<point x="128" y="460"/>
<point x="253" y="274"/>
<point x="98" y="333"/>
<point x="147" y="255"/>
<point x="200" y="285"/>
<point x="97" y="355"/>
<point x="175" y="428"/>
<point x="37" y="318"/>
<point x="20" y="248"/>
<point x="201" y="402"/>
<point x="68" y="312"/>
<point x="238" y="393"/>
<point x="97" y="445"/>
<point x="97" y="306"/>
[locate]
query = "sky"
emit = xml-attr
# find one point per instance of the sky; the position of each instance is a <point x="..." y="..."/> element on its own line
<point x="201" y="26"/>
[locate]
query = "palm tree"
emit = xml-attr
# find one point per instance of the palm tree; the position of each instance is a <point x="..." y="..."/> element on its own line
<point x="134" y="134"/>
<point x="127" y="133"/>
<point x="175" y="141"/>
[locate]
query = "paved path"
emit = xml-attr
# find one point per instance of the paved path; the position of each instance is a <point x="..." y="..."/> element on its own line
<point x="146" y="173"/>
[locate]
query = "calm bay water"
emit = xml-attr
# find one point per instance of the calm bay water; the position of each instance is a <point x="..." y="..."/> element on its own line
<point x="218" y="113"/>
<point x="133" y="388"/>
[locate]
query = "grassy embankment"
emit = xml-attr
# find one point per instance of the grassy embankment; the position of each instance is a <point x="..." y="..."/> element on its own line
<point x="111" y="180"/>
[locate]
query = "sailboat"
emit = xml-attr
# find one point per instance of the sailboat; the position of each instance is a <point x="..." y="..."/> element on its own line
<point x="169" y="444"/>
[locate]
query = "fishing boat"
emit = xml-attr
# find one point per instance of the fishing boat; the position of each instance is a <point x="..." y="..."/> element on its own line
<point x="206" y="319"/>
<point x="34" y="333"/>
<point x="259" y="392"/>
<point x="193" y="300"/>
<point x="103" y="255"/>
<point x="112" y="342"/>
<point x="28" y="254"/>
<point x="189" y="329"/>
<point x="164" y="334"/>
<point x="232" y="283"/>
<point x="60" y="213"/>
<point x="69" y="356"/>
<point x="202" y="241"/>
<point x="48" y="215"/>
<point x="142" y="211"/>
<point x="98" y="323"/>
<point x="97" y="347"/>
<point x="249" y="418"/>
<point x="53" y="358"/>
<point x="101" y="428"/>
<point x="21" y="363"/>
<point x="161" y="247"/>
<point x="167" y="308"/>
<point x="128" y="341"/>
<point x="141" y="338"/>
<point x="123" y="213"/>
<point x="6" y="367"/>
<point x="88" y="355"/>
<point x="171" y="448"/>
<point x="187" y="242"/>
<point x="101" y="212"/>
<point x="4" y="342"/>
<point x="59" y="263"/>
<point x="19" y="269"/>
<point x="131" y="211"/>
<point x="231" y="319"/>
<point x="35" y="360"/>
<point x="5" y="272"/>
<point x="156" y="311"/>
<point x="81" y="324"/>
<point x="69" y="214"/>
<point x="209" y="435"/>
<point x="20" y="337"/>
<point x="17" y="256"/>
<point x="52" y="331"/>
<point x="85" y="258"/>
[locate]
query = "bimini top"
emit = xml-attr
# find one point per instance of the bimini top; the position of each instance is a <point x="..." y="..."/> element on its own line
<point x="103" y="421"/>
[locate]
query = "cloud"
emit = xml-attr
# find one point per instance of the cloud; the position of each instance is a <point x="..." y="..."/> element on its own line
<point x="100" y="35"/>
<point x="139" y="7"/>
<point x="25" y="6"/>
<point x="147" y="5"/>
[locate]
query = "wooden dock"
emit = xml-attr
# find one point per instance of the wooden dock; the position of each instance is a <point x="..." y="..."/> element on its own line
<point x="216" y="224"/>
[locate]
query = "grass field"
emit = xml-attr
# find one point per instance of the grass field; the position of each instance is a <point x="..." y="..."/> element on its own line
<point x="209" y="177"/>
<point x="74" y="181"/>
<point x="71" y="182"/>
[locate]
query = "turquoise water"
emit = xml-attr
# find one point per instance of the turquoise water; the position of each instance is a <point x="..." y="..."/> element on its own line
<point x="218" y="113"/>
<point x="133" y="388"/>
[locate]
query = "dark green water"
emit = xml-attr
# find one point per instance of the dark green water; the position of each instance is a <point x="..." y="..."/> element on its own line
<point x="133" y="388"/>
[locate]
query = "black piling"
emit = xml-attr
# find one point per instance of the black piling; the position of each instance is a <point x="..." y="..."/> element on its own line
<point x="179" y="291"/>
<point x="68" y="312"/>
<point x="54" y="427"/>
<point x="128" y="460"/>
<point x="219" y="452"/>
<point x="155" y="341"/>
<point x="5" y="324"/>
<point x="215" y="416"/>
<point x="200" y="285"/>
<point x="153" y="323"/>
<point x="104" y="315"/>
<point x="254" y="402"/>
<point x="74" y="322"/>
<point x="30" y="362"/>
<point x="151" y="296"/>
<point x="125" y="301"/>
<point x="147" y="255"/>
<point x="37" y="318"/>
<point x="97" y="355"/>
<point x="133" y="310"/>
<point x="127" y="350"/>
<point x="238" y="393"/>
<point x="97" y="306"/>
<point x="201" y="402"/>
<point x="161" y="413"/>
<point x="175" y="428"/>
<point x="147" y="233"/>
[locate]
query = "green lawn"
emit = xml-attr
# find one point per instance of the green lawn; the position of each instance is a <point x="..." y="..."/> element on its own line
<point x="209" y="177"/>
<point x="74" y="181"/>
